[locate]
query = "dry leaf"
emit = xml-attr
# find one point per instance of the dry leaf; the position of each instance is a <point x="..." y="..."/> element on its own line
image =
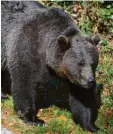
<point x="62" y="118"/>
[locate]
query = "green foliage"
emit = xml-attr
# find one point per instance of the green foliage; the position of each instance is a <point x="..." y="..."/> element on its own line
<point x="107" y="15"/>
<point x="97" y="17"/>
<point x="58" y="112"/>
<point x="86" y="25"/>
<point x="8" y="103"/>
<point x="108" y="100"/>
<point x="111" y="121"/>
<point x="105" y="42"/>
<point x="92" y="16"/>
<point x="59" y="126"/>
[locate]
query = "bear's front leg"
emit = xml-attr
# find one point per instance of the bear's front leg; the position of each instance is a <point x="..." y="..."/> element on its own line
<point x="81" y="114"/>
<point x="24" y="94"/>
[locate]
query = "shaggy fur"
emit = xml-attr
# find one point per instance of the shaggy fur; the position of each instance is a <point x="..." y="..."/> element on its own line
<point x="41" y="44"/>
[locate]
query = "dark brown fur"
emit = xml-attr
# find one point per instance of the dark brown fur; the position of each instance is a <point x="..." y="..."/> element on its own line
<point x="41" y="44"/>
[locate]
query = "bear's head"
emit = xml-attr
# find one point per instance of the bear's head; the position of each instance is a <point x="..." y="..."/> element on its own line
<point x="75" y="57"/>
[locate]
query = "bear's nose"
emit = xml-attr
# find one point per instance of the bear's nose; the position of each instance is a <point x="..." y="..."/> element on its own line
<point x="91" y="81"/>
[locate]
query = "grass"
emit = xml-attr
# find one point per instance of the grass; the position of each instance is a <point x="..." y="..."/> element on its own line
<point x="60" y="121"/>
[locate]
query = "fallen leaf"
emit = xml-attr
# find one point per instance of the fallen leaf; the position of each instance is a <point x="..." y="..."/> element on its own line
<point x="62" y="118"/>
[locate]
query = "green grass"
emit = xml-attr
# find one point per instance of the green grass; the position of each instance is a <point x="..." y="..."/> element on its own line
<point x="58" y="121"/>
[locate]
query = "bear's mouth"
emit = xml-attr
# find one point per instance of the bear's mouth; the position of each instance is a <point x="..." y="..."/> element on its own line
<point x="89" y="86"/>
<point x="85" y="86"/>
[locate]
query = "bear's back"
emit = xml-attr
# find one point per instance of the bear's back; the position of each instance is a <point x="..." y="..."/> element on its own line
<point x="30" y="20"/>
<point x="14" y="13"/>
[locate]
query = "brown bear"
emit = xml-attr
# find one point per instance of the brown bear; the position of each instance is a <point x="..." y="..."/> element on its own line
<point x="41" y="44"/>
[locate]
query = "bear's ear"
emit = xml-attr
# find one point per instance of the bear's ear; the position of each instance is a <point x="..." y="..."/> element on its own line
<point x="96" y="39"/>
<point x="63" y="42"/>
